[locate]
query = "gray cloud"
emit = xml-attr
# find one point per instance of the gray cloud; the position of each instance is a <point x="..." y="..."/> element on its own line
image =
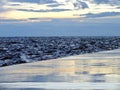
<point x="47" y="1"/>
<point x="10" y="20"/>
<point x="111" y="2"/>
<point x="118" y="7"/>
<point x="36" y="19"/>
<point x="55" y="5"/>
<point x="2" y="21"/>
<point x="101" y="1"/>
<point x="80" y="5"/>
<point x="104" y="14"/>
<point x="28" y="1"/>
<point x="52" y="10"/>
<point x="35" y="1"/>
<point x="14" y="4"/>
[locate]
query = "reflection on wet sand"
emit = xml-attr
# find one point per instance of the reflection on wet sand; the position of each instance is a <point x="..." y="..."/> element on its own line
<point x="65" y="71"/>
<point x="74" y="69"/>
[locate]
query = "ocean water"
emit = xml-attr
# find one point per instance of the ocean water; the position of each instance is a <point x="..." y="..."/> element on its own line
<point x="17" y="50"/>
<point x="97" y="71"/>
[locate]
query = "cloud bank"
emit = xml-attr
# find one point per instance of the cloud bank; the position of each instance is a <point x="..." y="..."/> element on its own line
<point x="17" y="10"/>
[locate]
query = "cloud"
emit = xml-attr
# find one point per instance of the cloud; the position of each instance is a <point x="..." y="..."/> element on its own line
<point x="35" y="1"/>
<point x="27" y="1"/>
<point x="5" y="21"/>
<point x="80" y="5"/>
<point x="55" y="5"/>
<point x="111" y="2"/>
<point x="100" y="1"/>
<point x="52" y="10"/>
<point x="10" y="21"/>
<point x="104" y="14"/>
<point x="47" y="1"/>
<point x="25" y="9"/>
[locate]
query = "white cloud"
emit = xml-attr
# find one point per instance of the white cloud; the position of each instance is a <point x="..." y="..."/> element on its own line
<point x="16" y="9"/>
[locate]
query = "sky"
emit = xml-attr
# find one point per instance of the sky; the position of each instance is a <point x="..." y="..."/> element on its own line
<point x="59" y="18"/>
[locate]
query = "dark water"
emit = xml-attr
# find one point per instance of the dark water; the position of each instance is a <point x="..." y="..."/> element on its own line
<point x="17" y="50"/>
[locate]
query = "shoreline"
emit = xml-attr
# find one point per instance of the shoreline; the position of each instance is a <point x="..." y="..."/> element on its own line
<point x="63" y="58"/>
<point x="24" y="50"/>
<point x="100" y="67"/>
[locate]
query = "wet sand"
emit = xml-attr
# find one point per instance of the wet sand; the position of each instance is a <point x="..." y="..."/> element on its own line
<point x="90" y="71"/>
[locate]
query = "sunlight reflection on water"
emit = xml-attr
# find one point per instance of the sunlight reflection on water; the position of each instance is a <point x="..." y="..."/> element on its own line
<point x="75" y="69"/>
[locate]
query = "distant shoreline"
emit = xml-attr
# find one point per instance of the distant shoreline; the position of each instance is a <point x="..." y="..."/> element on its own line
<point x="51" y="36"/>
